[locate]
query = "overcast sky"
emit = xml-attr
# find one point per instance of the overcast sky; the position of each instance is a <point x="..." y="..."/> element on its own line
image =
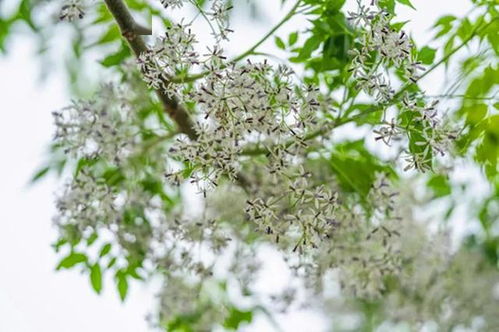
<point x="33" y="297"/>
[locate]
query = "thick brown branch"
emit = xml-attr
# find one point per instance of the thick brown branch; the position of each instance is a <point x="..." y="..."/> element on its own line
<point x="132" y="31"/>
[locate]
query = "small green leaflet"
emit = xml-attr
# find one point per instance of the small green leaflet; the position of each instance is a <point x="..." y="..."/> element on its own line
<point x="407" y="3"/>
<point x="121" y="284"/>
<point x="280" y="43"/>
<point x="96" y="278"/>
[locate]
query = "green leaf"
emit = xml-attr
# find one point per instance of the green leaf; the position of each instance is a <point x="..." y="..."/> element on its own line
<point x="236" y="317"/>
<point x="279" y="43"/>
<point x="355" y="167"/>
<point x="306" y="51"/>
<point x="71" y="260"/>
<point x="334" y="6"/>
<point x="92" y="238"/>
<point x="113" y="176"/>
<point x="427" y="55"/>
<point x="112" y="34"/>
<point x="407" y="3"/>
<point x="292" y="38"/>
<point x="439" y="185"/>
<point x="105" y="250"/>
<point x="96" y="278"/>
<point x="25" y="12"/>
<point x="388" y="5"/>
<point x="83" y="163"/>
<point x="122" y="284"/>
<point x="445" y="25"/>
<point x="465" y="29"/>
<point x="116" y="58"/>
<point x="398" y="25"/>
<point x="40" y="174"/>
<point x="111" y="262"/>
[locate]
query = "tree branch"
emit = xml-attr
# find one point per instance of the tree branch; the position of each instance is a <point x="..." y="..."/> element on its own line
<point x="132" y="32"/>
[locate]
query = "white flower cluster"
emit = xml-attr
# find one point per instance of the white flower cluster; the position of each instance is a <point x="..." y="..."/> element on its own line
<point x="381" y="47"/>
<point x="89" y="204"/>
<point x="172" y="54"/>
<point x="217" y="16"/>
<point x="298" y="209"/>
<point x="85" y="202"/>
<point x="393" y="47"/>
<point x="245" y="106"/>
<point x="362" y="249"/>
<point x="72" y="10"/>
<point x="102" y="127"/>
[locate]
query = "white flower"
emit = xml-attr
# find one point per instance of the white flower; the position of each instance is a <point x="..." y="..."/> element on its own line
<point x="72" y="10"/>
<point x="173" y="4"/>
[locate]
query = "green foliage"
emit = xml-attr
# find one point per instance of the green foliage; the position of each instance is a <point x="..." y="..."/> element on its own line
<point x="356" y="167"/>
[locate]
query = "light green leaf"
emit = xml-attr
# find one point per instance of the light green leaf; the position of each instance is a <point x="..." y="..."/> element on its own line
<point x="105" y="250"/>
<point x="407" y="3"/>
<point x="121" y="284"/>
<point x="427" y="55"/>
<point x="292" y="38"/>
<point x="40" y="174"/>
<point x="439" y="185"/>
<point x="96" y="278"/>
<point x="279" y="43"/>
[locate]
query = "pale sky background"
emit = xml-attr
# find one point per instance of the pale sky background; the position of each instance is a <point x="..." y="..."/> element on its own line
<point x="33" y="296"/>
